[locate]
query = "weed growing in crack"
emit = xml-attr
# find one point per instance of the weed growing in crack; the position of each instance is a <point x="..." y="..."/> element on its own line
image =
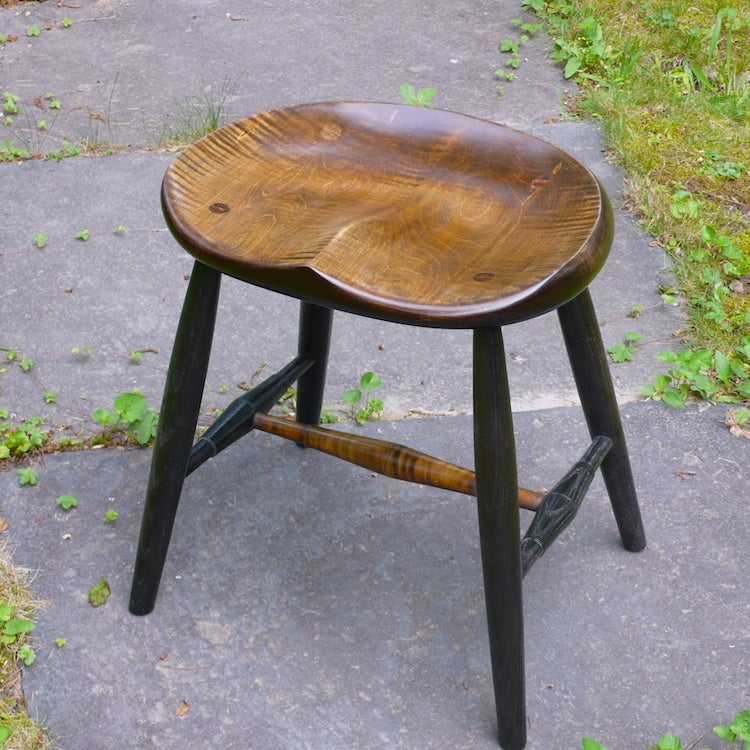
<point x="363" y="405"/>
<point x="416" y="98"/>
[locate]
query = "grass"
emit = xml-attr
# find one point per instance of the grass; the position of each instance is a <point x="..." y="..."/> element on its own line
<point x="196" y="117"/>
<point x="22" y="733"/>
<point x="669" y="80"/>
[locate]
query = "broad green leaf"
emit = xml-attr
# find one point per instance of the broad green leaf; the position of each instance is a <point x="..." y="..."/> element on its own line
<point x="145" y="428"/>
<point x="130" y="406"/>
<point x="369" y="381"/>
<point x="666" y="356"/>
<point x="672" y="398"/>
<point x="669" y="742"/>
<point x="17" y="626"/>
<point x="352" y="396"/>
<point x="66" y="502"/>
<point x="572" y="67"/>
<point x="408" y="93"/>
<point x="723" y="368"/>
<point x="102" y="415"/>
<point x="588" y="744"/>
<point x="27" y="476"/>
<point x="724" y="732"/>
<point x="741" y="725"/>
<point x="27" y="654"/>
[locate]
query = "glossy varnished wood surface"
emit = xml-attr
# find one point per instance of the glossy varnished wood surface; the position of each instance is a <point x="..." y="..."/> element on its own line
<point x="390" y="459"/>
<point x="398" y="212"/>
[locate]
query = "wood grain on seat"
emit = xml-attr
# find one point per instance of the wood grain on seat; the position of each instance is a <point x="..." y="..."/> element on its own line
<point x="402" y="213"/>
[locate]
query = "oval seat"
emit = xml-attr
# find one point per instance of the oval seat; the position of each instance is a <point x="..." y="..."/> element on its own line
<point x="402" y="213"/>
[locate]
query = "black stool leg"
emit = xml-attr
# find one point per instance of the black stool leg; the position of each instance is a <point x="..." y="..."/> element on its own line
<point x="314" y="341"/>
<point x="177" y="421"/>
<point x="497" y="503"/>
<point x="589" y="363"/>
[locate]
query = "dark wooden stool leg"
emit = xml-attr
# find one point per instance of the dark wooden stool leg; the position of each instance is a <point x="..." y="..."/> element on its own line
<point x="497" y="503"/>
<point x="177" y="421"/>
<point x="591" y="371"/>
<point x="314" y="341"/>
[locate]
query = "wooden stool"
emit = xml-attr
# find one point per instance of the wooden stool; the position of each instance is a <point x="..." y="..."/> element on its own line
<point x="409" y="215"/>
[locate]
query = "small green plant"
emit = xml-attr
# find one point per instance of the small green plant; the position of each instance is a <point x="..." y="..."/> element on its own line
<point x="197" y="116"/>
<point x="27" y="654"/>
<point x="130" y="417"/>
<point x="10" y="106"/>
<point x="33" y="30"/>
<point x="684" y="205"/>
<point x="11" y="152"/>
<point x="720" y="167"/>
<point x="668" y="741"/>
<point x="66" y="150"/>
<point x="99" y="593"/>
<point x="49" y="397"/>
<point x="288" y="400"/>
<point x="110" y="516"/>
<point x="663" y="18"/>
<point x="27" y="476"/>
<point x="18" y="440"/>
<point x="67" y="502"/>
<point x="83" y="234"/>
<point x="328" y="416"/>
<point x="417" y="98"/>
<point x="67" y="22"/>
<point x="703" y="373"/>
<point x="12" y="629"/>
<point x="622" y="351"/>
<point x="512" y="48"/>
<point x="363" y="406"/>
<point x="66" y="441"/>
<point x="40" y="239"/>
<point x="737" y="731"/>
<point x="588" y="55"/>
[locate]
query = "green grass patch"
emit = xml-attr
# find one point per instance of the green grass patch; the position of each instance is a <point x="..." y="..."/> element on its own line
<point x="669" y="81"/>
<point x="17" y="610"/>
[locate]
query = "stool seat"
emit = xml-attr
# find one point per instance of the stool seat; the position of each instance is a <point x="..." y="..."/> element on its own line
<point x="406" y="214"/>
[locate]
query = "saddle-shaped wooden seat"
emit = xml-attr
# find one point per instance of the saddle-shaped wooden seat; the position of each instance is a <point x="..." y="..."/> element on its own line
<point x="418" y="217"/>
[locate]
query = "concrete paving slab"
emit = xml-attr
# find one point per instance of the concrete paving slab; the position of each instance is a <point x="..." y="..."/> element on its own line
<point x="306" y="603"/>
